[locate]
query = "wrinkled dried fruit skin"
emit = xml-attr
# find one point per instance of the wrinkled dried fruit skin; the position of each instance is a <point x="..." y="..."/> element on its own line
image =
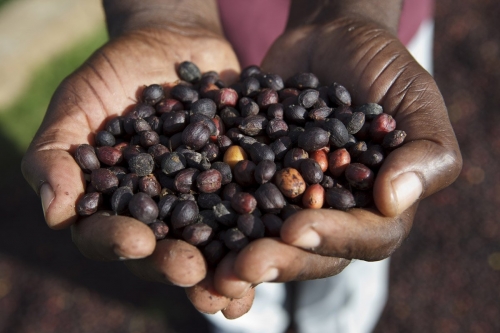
<point x="371" y="110"/>
<point x="269" y="198"/>
<point x="253" y="125"/>
<point x="243" y="203"/>
<point x="196" y="135"/>
<point x="314" y="197"/>
<point x="225" y="97"/>
<point x="338" y="161"/>
<point x="153" y="94"/>
<point x="313" y="138"/>
<point x="166" y="205"/>
<point x="355" y="122"/>
<point x="308" y="97"/>
<point x="224" y="142"/>
<point x="295" y="114"/>
<point x="225" y="214"/>
<point x="230" y="190"/>
<point x="185" y="180"/>
<point x="372" y="158"/>
<point x="359" y="176"/>
<point x="320" y="113"/>
<point x="339" y="94"/>
<point x="104" y="138"/>
<point x="235" y="240"/>
<point x="393" y="140"/>
<point x="115" y="126"/>
<point x="290" y="182"/>
<point x="208" y="200"/>
<point x="130" y="180"/>
<point x="339" y="135"/>
<point x="160" y="229"/>
<point x="149" y="138"/>
<point x="172" y="163"/>
<point x="109" y="155"/>
<point x="243" y="173"/>
<point x="311" y="171"/>
<point x="340" y="198"/>
<point x="225" y="171"/>
<point x="248" y="107"/>
<point x="196" y="160"/>
<point x="209" y="122"/>
<point x="120" y="199"/>
<point x="321" y="157"/>
<point x="157" y="152"/>
<point x="380" y="126"/>
<point x="184" y="213"/>
<point x="104" y="181"/>
<point x="271" y="81"/>
<point x="188" y="72"/>
<point x="183" y="93"/>
<point x="327" y="182"/>
<point x="141" y="164"/>
<point x="86" y="158"/>
<point x="211" y="151"/>
<point x="275" y="111"/>
<point x="294" y="157"/>
<point x="280" y="147"/>
<point x="174" y="122"/>
<point x="303" y="81"/>
<point x="197" y="234"/>
<point x="89" y="204"/>
<point x="261" y="152"/>
<point x="264" y="171"/>
<point x="143" y="208"/>
<point x="209" y="181"/>
<point x="251" y="226"/>
<point x="276" y="128"/>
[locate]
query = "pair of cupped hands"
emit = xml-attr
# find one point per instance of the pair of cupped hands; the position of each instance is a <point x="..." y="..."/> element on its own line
<point x="365" y="58"/>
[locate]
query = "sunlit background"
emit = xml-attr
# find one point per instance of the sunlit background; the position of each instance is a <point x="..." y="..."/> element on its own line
<point x="445" y="277"/>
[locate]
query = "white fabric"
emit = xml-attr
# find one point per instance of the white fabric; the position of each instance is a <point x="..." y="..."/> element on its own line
<point x="267" y="314"/>
<point x="350" y="302"/>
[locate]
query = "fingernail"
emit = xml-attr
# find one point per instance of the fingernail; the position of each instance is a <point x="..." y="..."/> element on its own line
<point x="270" y="275"/>
<point x="407" y="189"/>
<point x="47" y="196"/>
<point x="309" y="239"/>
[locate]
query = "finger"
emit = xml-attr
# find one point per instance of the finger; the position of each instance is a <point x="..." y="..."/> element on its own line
<point x="269" y="259"/>
<point x="238" y="307"/>
<point x="357" y="234"/>
<point x="102" y="236"/>
<point x="205" y="298"/>
<point x="173" y="261"/>
<point x="225" y="280"/>
<point x="48" y="165"/>
<point x="412" y="172"/>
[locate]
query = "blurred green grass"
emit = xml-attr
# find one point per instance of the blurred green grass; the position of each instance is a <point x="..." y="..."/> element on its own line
<point x="20" y="121"/>
<point x="3" y="2"/>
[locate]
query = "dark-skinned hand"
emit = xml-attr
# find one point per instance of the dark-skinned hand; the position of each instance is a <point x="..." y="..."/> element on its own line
<point x="375" y="67"/>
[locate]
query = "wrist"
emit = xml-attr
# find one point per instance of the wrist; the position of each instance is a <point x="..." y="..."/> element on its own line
<point x="384" y="13"/>
<point x="187" y="17"/>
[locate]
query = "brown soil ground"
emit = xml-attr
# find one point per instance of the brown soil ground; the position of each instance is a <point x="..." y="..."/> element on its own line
<point x="445" y="277"/>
